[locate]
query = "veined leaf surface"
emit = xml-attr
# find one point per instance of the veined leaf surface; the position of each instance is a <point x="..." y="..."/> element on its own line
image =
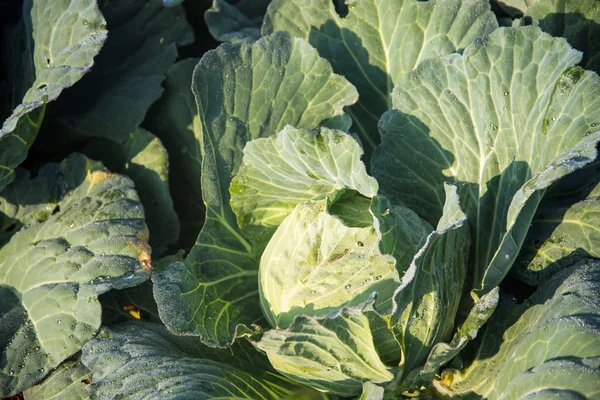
<point x="244" y="92"/>
<point x="335" y="353"/>
<point x="69" y="381"/>
<point x="294" y="166"/>
<point x="546" y="347"/>
<point x="139" y="360"/>
<point x="502" y="121"/>
<point x="315" y="265"/>
<point x="51" y="49"/>
<point x="379" y="41"/>
<point x="53" y="269"/>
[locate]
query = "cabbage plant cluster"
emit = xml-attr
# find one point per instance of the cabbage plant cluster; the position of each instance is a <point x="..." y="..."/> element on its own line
<point x="369" y="199"/>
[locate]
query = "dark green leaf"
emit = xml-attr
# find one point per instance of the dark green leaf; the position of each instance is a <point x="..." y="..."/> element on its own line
<point x="427" y="301"/>
<point x="547" y="347"/>
<point x="236" y="21"/>
<point x="50" y="50"/>
<point x="174" y="119"/>
<point x="402" y="232"/>
<point x="113" y="99"/>
<point x="443" y="352"/>
<point x="144" y="361"/>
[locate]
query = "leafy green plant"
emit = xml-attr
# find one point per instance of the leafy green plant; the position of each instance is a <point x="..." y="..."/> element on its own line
<point x="366" y="199"/>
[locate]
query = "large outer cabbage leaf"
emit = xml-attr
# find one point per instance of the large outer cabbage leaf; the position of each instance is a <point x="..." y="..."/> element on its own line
<point x="379" y="41"/>
<point x="52" y="270"/>
<point x="294" y="166"/>
<point x="174" y="119"/>
<point x="243" y="91"/>
<point x="139" y="360"/>
<point x="50" y="50"/>
<point x="333" y="353"/>
<point x="315" y="265"/>
<point x="502" y="121"/>
<point x="113" y="99"/>
<point x="547" y="347"/>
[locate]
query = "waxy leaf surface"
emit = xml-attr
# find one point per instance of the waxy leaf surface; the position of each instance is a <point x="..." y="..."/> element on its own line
<point x="53" y="268"/>
<point x="50" y="50"/>
<point x="502" y="122"/>
<point x="139" y="360"/>
<point x="335" y="354"/>
<point x="379" y="41"/>
<point x="547" y="347"/>
<point x="243" y="92"/>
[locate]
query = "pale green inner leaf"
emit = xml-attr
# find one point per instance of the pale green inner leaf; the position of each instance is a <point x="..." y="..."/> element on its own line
<point x="334" y="354"/>
<point x="294" y="166"/>
<point x="314" y="265"/>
